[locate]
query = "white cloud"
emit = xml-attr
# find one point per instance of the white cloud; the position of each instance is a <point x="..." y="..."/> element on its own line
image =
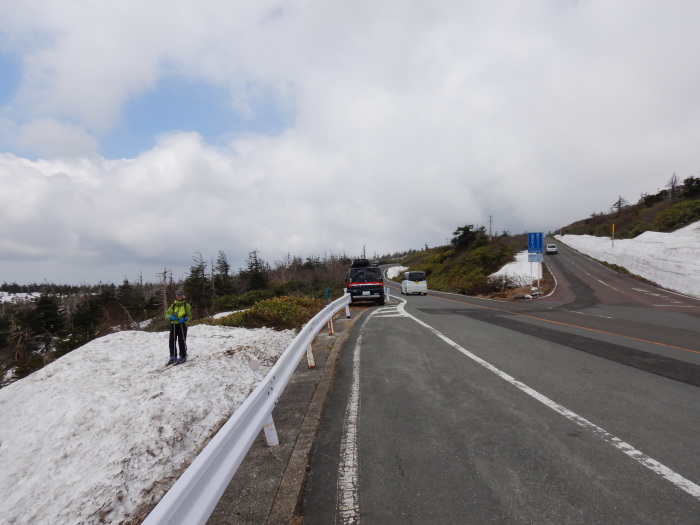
<point x="50" y="138"/>
<point x="431" y="115"/>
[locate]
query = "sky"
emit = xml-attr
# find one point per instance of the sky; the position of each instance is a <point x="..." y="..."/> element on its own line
<point x="134" y="136"/>
<point x="58" y="444"/>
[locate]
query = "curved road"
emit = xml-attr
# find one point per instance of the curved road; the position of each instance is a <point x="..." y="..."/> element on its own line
<point x="581" y="407"/>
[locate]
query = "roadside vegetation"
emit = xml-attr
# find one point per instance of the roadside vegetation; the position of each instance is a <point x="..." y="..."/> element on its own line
<point x="465" y="264"/>
<point x="55" y="319"/>
<point x="36" y="329"/>
<point x="280" y="313"/>
<point x="677" y="205"/>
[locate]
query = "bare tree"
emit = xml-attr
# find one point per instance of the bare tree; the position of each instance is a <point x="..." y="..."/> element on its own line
<point x="673" y="186"/>
<point x="285" y="270"/>
<point x="22" y="340"/>
<point x="163" y="295"/>
<point x="619" y="205"/>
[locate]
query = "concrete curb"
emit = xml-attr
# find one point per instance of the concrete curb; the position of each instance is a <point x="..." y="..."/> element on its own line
<point x="288" y="498"/>
<point x="269" y="484"/>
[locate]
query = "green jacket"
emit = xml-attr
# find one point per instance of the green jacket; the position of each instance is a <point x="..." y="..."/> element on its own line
<point x="179" y="309"/>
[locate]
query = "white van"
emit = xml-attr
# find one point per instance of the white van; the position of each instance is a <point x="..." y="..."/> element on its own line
<point x="414" y="282"/>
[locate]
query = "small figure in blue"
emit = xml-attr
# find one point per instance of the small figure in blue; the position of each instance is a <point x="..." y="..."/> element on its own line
<point x="178" y="314"/>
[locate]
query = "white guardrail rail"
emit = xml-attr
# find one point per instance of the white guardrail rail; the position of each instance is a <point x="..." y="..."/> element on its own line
<point x="194" y="496"/>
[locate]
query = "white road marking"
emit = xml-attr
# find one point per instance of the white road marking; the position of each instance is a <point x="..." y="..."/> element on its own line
<point x="388" y="311"/>
<point x="643" y="459"/>
<point x="590" y="314"/>
<point x="604" y="283"/>
<point x="663" y="295"/>
<point x="675" y="305"/>
<point x="348" y="504"/>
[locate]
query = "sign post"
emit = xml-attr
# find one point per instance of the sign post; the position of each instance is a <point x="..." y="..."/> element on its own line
<point x="534" y="252"/>
<point x="534" y="242"/>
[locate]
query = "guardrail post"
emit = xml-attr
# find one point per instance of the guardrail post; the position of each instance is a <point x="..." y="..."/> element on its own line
<point x="269" y="426"/>
<point x="387" y="294"/>
<point x="330" y="321"/>
<point x="310" y="357"/>
<point x="270" y="432"/>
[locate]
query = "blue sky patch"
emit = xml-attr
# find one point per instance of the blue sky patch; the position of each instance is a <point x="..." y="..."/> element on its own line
<point x="10" y="76"/>
<point x="184" y="105"/>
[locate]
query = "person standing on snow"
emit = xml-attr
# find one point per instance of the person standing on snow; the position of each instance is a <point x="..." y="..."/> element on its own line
<point x="178" y="314"/>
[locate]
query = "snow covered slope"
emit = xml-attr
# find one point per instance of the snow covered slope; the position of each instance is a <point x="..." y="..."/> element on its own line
<point x="100" y="432"/>
<point x="671" y="260"/>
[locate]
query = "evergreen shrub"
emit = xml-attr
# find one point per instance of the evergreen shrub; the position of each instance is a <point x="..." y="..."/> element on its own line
<point x="240" y="301"/>
<point x="279" y="313"/>
<point x="677" y="216"/>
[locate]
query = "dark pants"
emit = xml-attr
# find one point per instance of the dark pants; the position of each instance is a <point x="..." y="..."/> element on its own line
<point x="179" y="332"/>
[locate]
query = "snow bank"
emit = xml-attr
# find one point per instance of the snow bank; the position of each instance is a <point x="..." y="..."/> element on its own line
<point x="100" y="432"/>
<point x="521" y="272"/>
<point x="671" y="260"/>
<point x="395" y="270"/>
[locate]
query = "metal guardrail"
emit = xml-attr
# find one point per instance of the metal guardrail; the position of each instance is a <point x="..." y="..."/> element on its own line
<point x="193" y="497"/>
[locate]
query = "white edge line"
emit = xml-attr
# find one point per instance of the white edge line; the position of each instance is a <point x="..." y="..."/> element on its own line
<point x="348" y="505"/>
<point x="660" y="469"/>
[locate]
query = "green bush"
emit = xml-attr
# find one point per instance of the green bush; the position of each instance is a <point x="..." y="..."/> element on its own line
<point x="679" y="215"/>
<point x="28" y="366"/>
<point x="491" y="258"/>
<point x="315" y="289"/>
<point x="279" y="313"/>
<point x="226" y="303"/>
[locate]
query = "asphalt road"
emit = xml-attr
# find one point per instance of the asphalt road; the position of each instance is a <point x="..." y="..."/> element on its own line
<point x="581" y="407"/>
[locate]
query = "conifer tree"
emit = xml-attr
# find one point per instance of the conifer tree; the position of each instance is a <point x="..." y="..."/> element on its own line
<point x="222" y="279"/>
<point x="198" y="287"/>
<point x="255" y="276"/>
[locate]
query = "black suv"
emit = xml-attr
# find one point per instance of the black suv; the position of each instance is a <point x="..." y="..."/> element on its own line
<point x="365" y="282"/>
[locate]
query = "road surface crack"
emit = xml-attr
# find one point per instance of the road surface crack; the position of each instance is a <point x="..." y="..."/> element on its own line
<point x="398" y="460"/>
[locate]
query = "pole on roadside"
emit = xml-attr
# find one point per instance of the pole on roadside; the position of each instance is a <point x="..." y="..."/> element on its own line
<point x="612" y="238"/>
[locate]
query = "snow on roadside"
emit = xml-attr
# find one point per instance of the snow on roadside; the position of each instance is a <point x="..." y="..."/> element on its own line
<point x="671" y="260"/>
<point x="521" y="272"/>
<point x="395" y="270"/>
<point x="106" y="429"/>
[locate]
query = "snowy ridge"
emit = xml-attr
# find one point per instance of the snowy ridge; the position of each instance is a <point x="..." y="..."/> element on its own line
<point x="671" y="260"/>
<point x="106" y="430"/>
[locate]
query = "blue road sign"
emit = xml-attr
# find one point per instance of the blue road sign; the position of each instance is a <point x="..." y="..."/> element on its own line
<point x="534" y="242"/>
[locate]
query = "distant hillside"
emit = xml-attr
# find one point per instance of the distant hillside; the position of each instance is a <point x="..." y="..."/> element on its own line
<point x="668" y="210"/>
<point x="465" y="264"/>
